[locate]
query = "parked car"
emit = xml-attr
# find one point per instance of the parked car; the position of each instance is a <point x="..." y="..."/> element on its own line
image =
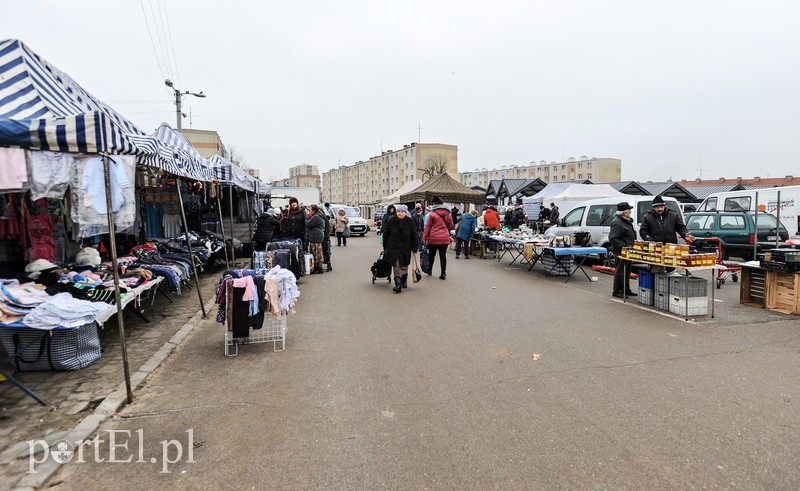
<point x="595" y="216"/>
<point x="737" y="230"/>
<point x="356" y="224"/>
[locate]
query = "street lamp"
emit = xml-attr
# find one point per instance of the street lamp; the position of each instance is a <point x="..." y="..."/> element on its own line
<point x="178" y="97"/>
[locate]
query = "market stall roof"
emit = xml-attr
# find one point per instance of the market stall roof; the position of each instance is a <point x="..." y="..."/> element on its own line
<point x="702" y="192"/>
<point x="405" y="188"/>
<point x="506" y="187"/>
<point x="42" y="108"/>
<point x="671" y="189"/>
<point x="629" y="187"/>
<point x="492" y="189"/>
<point x="446" y="188"/>
<point x="528" y="187"/>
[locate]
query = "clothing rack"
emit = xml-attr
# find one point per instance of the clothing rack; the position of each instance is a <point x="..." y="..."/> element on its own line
<point x="240" y="326"/>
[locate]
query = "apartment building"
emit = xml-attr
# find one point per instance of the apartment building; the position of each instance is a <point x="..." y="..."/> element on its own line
<point x="595" y="169"/>
<point x="366" y="182"/>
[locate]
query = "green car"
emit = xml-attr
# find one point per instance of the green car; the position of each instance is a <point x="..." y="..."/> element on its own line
<point x="737" y="230"/>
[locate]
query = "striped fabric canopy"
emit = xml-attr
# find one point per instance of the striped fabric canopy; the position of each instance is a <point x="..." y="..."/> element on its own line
<point x="42" y="108"/>
<point x="226" y="171"/>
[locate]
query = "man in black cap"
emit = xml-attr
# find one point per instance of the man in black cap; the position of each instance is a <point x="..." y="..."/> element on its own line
<point x="622" y="235"/>
<point x="661" y="224"/>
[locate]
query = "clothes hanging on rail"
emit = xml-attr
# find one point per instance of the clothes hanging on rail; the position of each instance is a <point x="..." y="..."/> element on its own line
<point x="15" y="169"/>
<point x="49" y="173"/>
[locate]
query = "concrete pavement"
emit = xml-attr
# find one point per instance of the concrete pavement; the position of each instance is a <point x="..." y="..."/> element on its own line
<point x="437" y="387"/>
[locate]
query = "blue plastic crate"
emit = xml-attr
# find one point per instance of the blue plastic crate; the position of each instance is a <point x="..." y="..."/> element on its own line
<point x="646" y="280"/>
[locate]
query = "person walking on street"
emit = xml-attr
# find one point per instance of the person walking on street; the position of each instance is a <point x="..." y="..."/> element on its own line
<point x="391" y="211"/>
<point x="419" y="221"/>
<point x="316" y="234"/>
<point x="465" y="229"/>
<point x="663" y="225"/>
<point x="437" y="235"/>
<point x="341" y="227"/>
<point x="622" y="234"/>
<point x="267" y="227"/>
<point x="399" y="241"/>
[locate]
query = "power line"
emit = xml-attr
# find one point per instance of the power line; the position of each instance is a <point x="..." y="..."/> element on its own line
<point x="152" y="43"/>
<point x="160" y="42"/>
<point x="172" y="46"/>
<point x="164" y="35"/>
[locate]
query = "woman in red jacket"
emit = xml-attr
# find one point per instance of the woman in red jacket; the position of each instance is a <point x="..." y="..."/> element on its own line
<point x="437" y="235"/>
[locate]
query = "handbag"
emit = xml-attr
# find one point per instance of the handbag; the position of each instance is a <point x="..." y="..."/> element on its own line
<point x="424" y="258"/>
<point x="32" y="349"/>
<point x="346" y="231"/>
<point x="416" y="274"/>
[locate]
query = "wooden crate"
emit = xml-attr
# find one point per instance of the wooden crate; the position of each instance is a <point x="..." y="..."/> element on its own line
<point x="752" y="291"/>
<point x="783" y="292"/>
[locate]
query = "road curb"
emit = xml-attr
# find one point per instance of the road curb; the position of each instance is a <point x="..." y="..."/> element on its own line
<point x="112" y="403"/>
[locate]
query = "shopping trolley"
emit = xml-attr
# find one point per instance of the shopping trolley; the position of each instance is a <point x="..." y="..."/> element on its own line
<point x="713" y="245"/>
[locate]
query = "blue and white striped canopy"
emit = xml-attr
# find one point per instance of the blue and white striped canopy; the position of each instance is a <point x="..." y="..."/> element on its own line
<point x="193" y="160"/>
<point x="42" y="108"/>
<point x="226" y="171"/>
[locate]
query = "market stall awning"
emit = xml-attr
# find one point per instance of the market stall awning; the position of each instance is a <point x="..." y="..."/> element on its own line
<point x="405" y="188"/>
<point x="224" y="170"/>
<point x="446" y="188"/>
<point x="193" y="159"/>
<point x="42" y="108"/>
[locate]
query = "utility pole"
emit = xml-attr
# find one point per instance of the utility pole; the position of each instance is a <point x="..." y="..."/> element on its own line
<point x="178" y="101"/>
<point x="419" y="132"/>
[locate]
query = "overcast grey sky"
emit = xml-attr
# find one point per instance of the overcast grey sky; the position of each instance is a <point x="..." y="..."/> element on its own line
<point x="664" y="86"/>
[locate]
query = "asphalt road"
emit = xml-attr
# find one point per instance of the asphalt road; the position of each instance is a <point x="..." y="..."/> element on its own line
<point x="437" y="387"/>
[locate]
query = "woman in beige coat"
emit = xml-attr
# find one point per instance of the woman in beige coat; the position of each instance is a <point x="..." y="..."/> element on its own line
<point x="341" y="228"/>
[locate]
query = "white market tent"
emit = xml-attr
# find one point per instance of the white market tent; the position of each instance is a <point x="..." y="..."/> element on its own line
<point x="566" y="196"/>
<point x="394" y="198"/>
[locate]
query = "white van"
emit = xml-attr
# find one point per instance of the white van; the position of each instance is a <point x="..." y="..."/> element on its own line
<point x="356" y="224"/>
<point x="595" y="216"/>
<point x="745" y="200"/>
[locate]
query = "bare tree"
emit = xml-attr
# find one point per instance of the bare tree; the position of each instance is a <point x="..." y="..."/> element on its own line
<point x="434" y="165"/>
<point x="237" y="157"/>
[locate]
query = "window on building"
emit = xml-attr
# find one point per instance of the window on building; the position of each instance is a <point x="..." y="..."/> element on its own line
<point x="589" y="165"/>
<point x="563" y="177"/>
<point x="588" y="176"/>
<point x="580" y="176"/>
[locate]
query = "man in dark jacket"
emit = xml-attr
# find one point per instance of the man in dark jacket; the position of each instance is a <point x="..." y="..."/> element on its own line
<point x="518" y="217"/>
<point x="622" y="234"/>
<point x="316" y="235"/>
<point x="554" y="213"/>
<point x="661" y="224"/>
<point x="267" y="227"/>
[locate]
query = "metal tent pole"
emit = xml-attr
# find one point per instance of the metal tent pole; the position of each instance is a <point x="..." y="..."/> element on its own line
<point x="189" y="245"/>
<point x="230" y="202"/>
<point x="778" y="219"/>
<point x="114" y="267"/>
<point x="222" y="229"/>
<point x="249" y="219"/>
<point x="755" y="225"/>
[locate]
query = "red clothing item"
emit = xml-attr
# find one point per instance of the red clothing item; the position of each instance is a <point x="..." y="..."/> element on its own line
<point x="491" y="219"/>
<point x="438" y="226"/>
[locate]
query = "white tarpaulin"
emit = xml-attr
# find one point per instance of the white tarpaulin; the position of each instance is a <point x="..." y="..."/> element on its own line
<point x="405" y="188"/>
<point x="566" y="196"/>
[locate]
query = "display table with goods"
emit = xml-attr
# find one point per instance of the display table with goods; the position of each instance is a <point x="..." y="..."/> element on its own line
<point x="773" y="282"/>
<point x="677" y="292"/>
<point x="521" y="244"/>
<point x="565" y="261"/>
